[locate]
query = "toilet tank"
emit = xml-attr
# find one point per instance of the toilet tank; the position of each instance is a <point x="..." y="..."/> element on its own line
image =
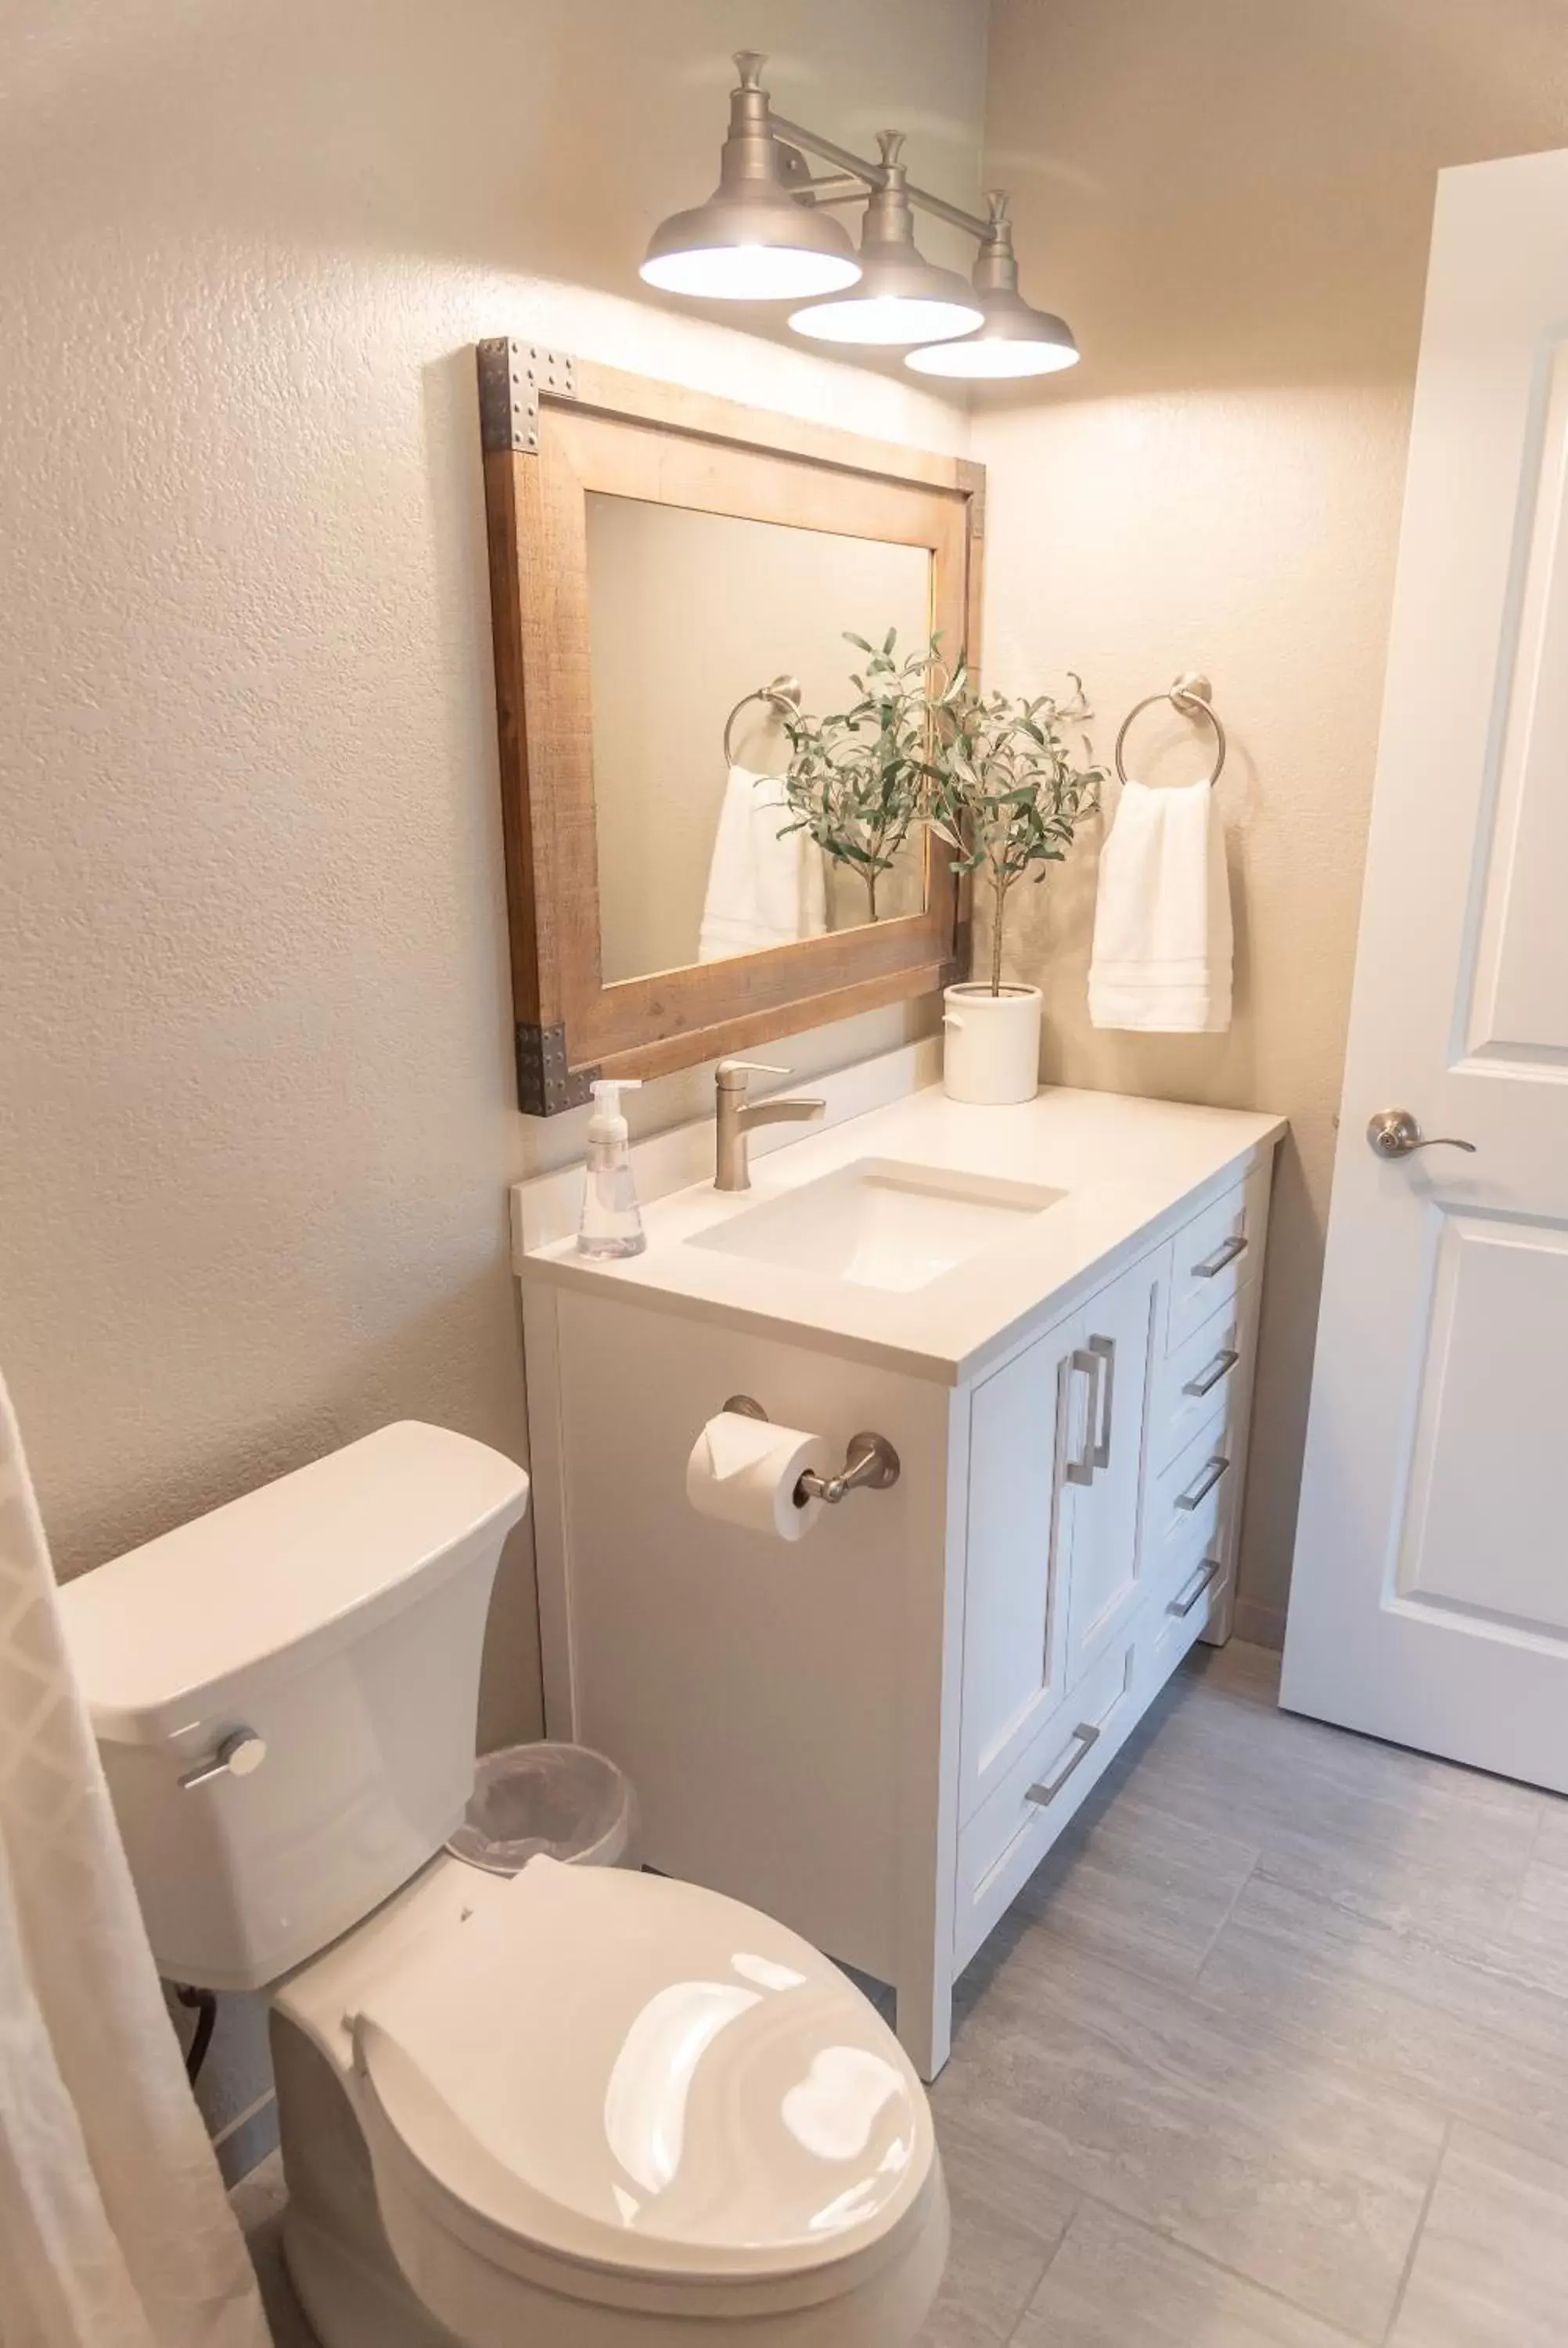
<point x="335" y="1615"/>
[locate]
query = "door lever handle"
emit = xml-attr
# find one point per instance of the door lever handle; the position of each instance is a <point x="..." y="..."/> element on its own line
<point x="1395" y="1133"/>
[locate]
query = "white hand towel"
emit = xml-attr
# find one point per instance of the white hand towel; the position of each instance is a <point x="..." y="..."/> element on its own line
<point x="763" y="890"/>
<point x="1161" y="958"/>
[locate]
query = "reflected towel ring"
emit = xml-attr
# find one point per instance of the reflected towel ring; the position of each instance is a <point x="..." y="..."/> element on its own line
<point x="1192" y="694"/>
<point x="781" y="695"/>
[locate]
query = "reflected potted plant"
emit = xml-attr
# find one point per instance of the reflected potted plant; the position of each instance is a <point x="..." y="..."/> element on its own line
<point x="1007" y="794"/>
<point x="858" y="779"/>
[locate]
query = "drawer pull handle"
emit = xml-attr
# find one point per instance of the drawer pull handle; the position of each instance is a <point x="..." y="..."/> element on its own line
<point x="1203" y="1483"/>
<point x="1085" y="1738"/>
<point x="1093" y="1367"/>
<point x="1226" y="1252"/>
<point x="1200" y="1582"/>
<point x="1210" y="1375"/>
<point x="1105" y="1348"/>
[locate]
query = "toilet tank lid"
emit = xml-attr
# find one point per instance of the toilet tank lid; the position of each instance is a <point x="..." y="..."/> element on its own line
<point x="166" y="1636"/>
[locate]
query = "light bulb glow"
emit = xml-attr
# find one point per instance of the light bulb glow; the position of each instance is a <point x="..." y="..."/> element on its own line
<point x="751" y="272"/>
<point x="886" y="318"/>
<point x="994" y="360"/>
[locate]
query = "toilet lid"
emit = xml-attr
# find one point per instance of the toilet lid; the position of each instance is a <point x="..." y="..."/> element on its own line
<point x="635" y="2072"/>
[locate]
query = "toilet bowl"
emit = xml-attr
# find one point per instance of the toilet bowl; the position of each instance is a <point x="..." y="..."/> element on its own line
<point x="576" y="2107"/>
<point x="590" y="2107"/>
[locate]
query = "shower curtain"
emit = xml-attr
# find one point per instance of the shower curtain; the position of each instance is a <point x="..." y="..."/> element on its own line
<point x="114" y="2229"/>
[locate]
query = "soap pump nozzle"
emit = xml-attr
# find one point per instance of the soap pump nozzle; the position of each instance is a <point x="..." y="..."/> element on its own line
<point x="607" y="1122"/>
<point x="611" y="1223"/>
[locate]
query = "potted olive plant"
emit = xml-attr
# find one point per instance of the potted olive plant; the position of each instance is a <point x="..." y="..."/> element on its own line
<point x="1007" y="794"/>
<point x="858" y="779"/>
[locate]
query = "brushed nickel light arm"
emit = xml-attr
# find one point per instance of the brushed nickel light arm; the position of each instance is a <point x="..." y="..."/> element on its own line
<point x="865" y="175"/>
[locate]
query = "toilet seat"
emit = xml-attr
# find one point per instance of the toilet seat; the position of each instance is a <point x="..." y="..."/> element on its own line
<point x="633" y="2091"/>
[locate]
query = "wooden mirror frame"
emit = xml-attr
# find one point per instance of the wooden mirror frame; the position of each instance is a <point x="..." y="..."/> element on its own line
<point x="553" y="428"/>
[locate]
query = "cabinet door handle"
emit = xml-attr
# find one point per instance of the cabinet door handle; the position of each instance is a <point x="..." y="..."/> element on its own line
<point x="1105" y="1348"/>
<point x="1209" y="1376"/>
<point x="1203" y="1483"/>
<point x="1085" y="1738"/>
<point x="1081" y="1469"/>
<point x="1226" y="1252"/>
<point x="1196" y="1588"/>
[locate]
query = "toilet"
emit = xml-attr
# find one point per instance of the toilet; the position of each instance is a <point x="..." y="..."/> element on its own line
<point x="576" y="2107"/>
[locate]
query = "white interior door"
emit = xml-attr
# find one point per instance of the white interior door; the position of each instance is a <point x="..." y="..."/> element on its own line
<point x="1429" y="1603"/>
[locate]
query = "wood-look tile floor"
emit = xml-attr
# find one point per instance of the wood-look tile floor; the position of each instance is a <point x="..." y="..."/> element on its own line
<point x="1273" y="2052"/>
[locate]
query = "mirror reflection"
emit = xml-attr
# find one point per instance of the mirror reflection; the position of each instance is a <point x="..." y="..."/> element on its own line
<point x="701" y="626"/>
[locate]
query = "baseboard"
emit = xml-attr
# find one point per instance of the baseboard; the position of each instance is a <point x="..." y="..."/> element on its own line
<point x="1260" y="1626"/>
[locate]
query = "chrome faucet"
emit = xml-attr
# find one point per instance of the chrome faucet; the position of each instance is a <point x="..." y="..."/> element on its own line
<point x="737" y="1115"/>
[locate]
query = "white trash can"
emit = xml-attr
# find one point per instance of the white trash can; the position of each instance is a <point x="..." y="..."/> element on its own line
<point x="563" y="1800"/>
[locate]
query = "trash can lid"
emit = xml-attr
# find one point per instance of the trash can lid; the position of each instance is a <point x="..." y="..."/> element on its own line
<point x="561" y="1801"/>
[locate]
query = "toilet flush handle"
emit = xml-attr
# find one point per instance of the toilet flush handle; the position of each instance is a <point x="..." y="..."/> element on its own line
<point x="241" y="1752"/>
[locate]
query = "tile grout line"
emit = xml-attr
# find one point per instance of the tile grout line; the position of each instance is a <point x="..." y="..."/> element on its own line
<point x="1205" y="2258"/>
<point x="1409" y="2265"/>
<point x="1021" y="2318"/>
<point x="1531" y="1859"/>
<point x="1231" y="1907"/>
<point x="243" y="2119"/>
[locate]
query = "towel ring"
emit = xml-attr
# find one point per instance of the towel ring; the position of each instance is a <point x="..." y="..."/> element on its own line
<point x="783" y="693"/>
<point x="1192" y="694"/>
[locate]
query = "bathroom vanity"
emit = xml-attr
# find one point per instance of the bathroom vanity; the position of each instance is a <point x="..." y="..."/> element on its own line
<point x="877" y="1732"/>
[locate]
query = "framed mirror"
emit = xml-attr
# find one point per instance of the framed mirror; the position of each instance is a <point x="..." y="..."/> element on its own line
<point x="673" y="579"/>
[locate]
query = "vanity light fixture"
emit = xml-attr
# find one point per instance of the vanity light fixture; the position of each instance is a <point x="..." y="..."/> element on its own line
<point x="764" y="235"/>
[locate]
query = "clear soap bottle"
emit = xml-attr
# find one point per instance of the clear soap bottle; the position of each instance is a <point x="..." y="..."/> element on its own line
<point x="611" y="1221"/>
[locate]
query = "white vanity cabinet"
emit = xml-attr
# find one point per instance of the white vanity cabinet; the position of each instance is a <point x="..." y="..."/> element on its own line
<point x="878" y="1732"/>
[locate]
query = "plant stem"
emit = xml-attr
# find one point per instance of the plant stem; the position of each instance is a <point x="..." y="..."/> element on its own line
<point x="871" y="894"/>
<point x="997" y="939"/>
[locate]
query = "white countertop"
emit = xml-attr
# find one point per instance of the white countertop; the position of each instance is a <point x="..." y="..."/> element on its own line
<point x="1131" y="1168"/>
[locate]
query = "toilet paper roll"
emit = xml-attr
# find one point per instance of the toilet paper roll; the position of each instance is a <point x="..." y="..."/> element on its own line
<point x="743" y="1471"/>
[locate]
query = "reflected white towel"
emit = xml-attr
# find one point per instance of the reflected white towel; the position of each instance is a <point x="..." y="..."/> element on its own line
<point x="763" y="891"/>
<point x="1161" y="958"/>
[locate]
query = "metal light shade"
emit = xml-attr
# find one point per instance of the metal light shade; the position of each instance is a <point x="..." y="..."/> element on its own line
<point x="753" y="240"/>
<point x="1014" y="339"/>
<point x="901" y="297"/>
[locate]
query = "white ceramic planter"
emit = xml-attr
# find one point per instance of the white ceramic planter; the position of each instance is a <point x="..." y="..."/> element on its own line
<point x="991" y="1055"/>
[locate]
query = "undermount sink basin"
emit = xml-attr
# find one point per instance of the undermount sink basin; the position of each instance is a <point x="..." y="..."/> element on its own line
<point x="880" y="1223"/>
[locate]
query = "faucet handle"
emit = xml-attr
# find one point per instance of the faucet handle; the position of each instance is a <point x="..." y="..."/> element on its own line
<point x="747" y="1068"/>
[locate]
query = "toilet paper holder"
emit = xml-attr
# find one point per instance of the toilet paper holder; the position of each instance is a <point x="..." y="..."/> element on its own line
<point x="870" y="1463"/>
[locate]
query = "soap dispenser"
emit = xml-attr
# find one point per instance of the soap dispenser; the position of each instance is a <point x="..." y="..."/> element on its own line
<point x="611" y="1221"/>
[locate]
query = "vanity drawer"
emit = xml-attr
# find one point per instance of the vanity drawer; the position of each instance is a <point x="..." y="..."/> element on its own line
<point x="1190" y="1499"/>
<point x="1214" y="1255"/>
<point x="1179" y="1620"/>
<point x="1211" y="1368"/>
<point x="1003" y="1844"/>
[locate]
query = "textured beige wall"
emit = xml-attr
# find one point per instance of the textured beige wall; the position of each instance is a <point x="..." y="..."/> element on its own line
<point x="1231" y="201"/>
<point x="256" y="1108"/>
